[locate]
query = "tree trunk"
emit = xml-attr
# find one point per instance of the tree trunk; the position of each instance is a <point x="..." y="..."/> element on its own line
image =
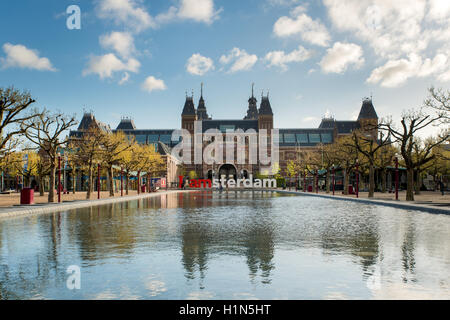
<point x="51" y="188"/>
<point x="410" y="184"/>
<point x="74" y="180"/>
<point x="41" y="185"/>
<point x="89" y="188"/>
<point x="418" y="182"/>
<point x="383" y="180"/>
<point x="346" y="180"/>
<point x="148" y="181"/>
<point x="111" y="181"/>
<point x="127" y="182"/>
<point x="327" y="181"/>
<point x="371" y="181"/>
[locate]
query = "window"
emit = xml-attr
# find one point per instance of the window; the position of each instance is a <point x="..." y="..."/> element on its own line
<point x="326" y="138"/>
<point x="227" y="127"/>
<point x="153" y="138"/>
<point x="141" y="138"/>
<point x="280" y="136"/>
<point x="289" y="138"/>
<point x="302" y="138"/>
<point x="314" y="137"/>
<point x="165" y="138"/>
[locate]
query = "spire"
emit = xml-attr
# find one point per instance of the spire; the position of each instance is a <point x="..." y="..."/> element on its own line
<point x="202" y="114"/>
<point x="252" y="111"/>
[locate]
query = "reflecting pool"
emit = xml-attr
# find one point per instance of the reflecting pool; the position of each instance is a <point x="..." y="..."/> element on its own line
<point x="240" y="245"/>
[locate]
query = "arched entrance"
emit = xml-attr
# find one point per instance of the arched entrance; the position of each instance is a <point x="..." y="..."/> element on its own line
<point x="227" y="170"/>
<point x="210" y="174"/>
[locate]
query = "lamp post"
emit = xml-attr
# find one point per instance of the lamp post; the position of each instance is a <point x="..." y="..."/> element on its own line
<point x="396" y="177"/>
<point x="59" y="179"/>
<point x="98" y="181"/>
<point x="304" y="181"/>
<point x="121" y="181"/>
<point x="139" y="182"/>
<point x="357" y="179"/>
<point x="317" y="181"/>
<point x="333" y="174"/>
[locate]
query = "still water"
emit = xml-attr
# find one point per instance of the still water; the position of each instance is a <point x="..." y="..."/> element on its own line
<point x="240" y="245"/>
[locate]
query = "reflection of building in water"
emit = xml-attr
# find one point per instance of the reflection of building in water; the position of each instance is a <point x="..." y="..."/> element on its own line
<point x="400" y="259"/>
<point x="251" y="237"/>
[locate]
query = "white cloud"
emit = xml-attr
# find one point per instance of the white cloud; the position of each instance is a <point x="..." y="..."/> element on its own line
<point x="126" y="12"/>
<point x="120" y="42"/>
<point x="199" y="65"/>
<point x="19" y="56"/>
<point x="396" y="72"/>
<point x="439" y="9"/>
<point x="240" y="60"/>
<point x="312" y="31"/>
<point x="392" y="28"/>
<point x="341" y="56"/>
<point x="104" y="66"/>
<point x="125" y="78"/>
<point x="198" y="10"/>
<point x="281" y="59"/>
<point x="152" y="84"/>
<point x="133" y="14"/>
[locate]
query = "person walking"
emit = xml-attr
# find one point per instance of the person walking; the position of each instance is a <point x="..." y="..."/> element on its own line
<point x="441" y="186"/>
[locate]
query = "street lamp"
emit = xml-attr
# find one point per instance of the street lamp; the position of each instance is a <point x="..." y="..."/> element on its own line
<point x="396" y="176"/>
<point x="333" y="174"/>
<point x="59" y="179"/>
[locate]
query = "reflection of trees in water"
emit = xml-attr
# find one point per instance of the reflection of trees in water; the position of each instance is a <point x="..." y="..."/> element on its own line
<point x="356" y="234"/>
<point x="106" y="230"/>
<point x="260" y="252"/>
<point x="195" y="239"/>
<point x="408" y="247"/>
<point x="252" y="237"/>
<point x="31" y="274"/>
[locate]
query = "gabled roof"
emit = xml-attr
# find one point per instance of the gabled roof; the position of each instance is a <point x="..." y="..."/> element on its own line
<point x="126" y="124"/>
<point x="189" y="109"/>
<point x="265" y="107"/>
<point x="89" y="121"/>
<point x="367" y="110"/>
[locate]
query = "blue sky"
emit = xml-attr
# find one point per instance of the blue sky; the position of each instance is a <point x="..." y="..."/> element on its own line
<point x="137" y="58"/>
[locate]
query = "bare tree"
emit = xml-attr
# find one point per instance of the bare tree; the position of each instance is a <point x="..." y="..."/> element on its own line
<point x="13" y="105"/>
<point x="439" y="100"/>
<point x="412" y="122"/>
<point x="45" y="129"/>
<point x="369" y="147"/>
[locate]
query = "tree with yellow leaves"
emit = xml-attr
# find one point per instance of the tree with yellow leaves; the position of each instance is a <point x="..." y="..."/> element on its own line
<point x="89" y="152"/>
<point x="113" y="147"/>
<point x="26" y="164"/>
